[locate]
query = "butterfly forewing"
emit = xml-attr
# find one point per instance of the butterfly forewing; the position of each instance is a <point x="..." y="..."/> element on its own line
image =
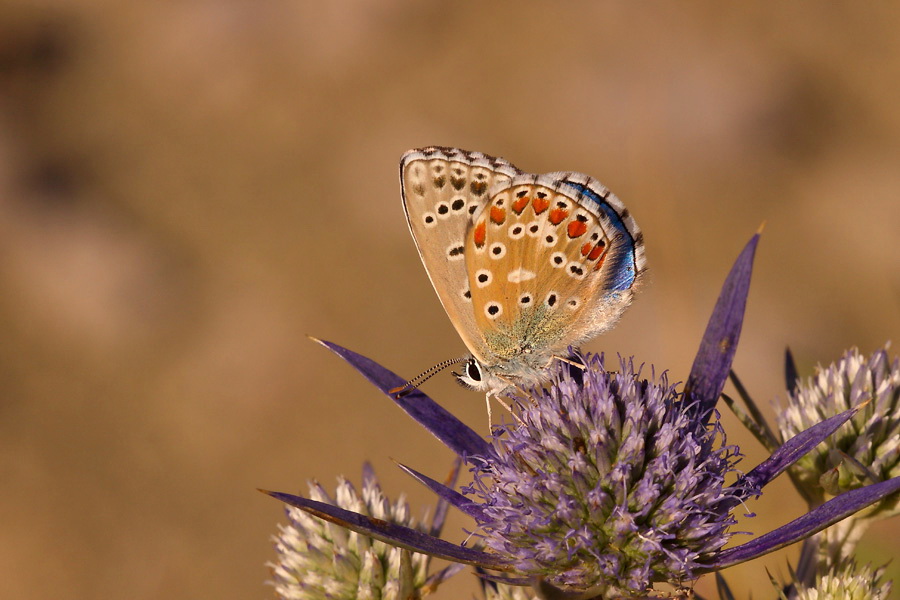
<point x="546" y="263"/>
<point x="443" y="188"/>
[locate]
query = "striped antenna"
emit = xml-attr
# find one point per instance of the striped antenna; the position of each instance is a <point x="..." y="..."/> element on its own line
<point x="421" y="378"/>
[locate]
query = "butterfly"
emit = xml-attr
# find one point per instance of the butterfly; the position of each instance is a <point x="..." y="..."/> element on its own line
<point x="526" y="266"/>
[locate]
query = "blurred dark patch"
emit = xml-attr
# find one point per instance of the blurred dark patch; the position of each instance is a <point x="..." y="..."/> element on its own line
<point x="39" y="49"/>
<point x="33" y="52"/>
<point x="43" y="47"/>
<point x="812" y="111"/>
<point x="51" y="183"/>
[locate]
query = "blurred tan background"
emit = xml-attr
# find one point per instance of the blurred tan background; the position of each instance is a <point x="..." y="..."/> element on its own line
<point x="189" y="188"/>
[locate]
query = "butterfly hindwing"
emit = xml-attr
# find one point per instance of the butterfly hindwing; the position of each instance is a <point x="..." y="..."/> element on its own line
<point x="552" y="261"/>
<point x="625" y="272"/>
<point x="443" y="188"/>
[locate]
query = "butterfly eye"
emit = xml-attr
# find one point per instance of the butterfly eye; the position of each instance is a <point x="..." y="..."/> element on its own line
<point x="473" y="370"/>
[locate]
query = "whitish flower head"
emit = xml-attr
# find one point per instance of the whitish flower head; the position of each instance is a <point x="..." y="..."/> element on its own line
<point x="508" y="592"/>
<point x="610" y="484"/>
<point x="320" y="560"/>
<point x="847" y="582"/>
<point x="864" y="450"/>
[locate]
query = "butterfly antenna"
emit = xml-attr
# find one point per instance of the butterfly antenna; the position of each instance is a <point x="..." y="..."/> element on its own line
<point x="421" y="378"/>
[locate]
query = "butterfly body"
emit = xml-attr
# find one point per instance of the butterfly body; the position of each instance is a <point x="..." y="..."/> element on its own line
<point x="525" y="265"/>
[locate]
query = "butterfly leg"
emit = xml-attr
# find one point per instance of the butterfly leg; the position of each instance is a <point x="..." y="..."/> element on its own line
<point x="574" y="363"/>
<point x="522" y="391"/>
<point x="507" y="406"/>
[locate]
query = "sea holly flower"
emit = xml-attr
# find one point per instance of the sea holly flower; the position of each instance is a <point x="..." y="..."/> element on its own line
<point x="844" y="581"/>
<point x="609" y="484"/>
<point x="321" y="560"/>
<point x="864" y="450"/>
<point x="500" y="591"/>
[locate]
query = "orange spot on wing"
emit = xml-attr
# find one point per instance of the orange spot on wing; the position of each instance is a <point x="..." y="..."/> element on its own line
<point x="498" y="215"/>
<point x="540" y="205"/>
<point x="596" y="252"/>
<point x="480" y="234"/>
<point x="600" y="263"/>
<point x="520" y="204"/>
<point x="575" y="228"/>
<point x="558" y="215"/>
<point x="585" y="249"/>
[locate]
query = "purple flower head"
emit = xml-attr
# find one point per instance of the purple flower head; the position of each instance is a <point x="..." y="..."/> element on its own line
<point x="608" y="484"/>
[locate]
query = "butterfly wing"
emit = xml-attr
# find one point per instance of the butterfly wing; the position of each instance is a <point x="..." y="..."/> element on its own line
<point x="443" y="188"/>
<point x="553" y="261"/>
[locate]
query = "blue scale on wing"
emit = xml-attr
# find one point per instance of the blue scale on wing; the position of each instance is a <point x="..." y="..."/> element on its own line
<point x="622" y="266"/>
